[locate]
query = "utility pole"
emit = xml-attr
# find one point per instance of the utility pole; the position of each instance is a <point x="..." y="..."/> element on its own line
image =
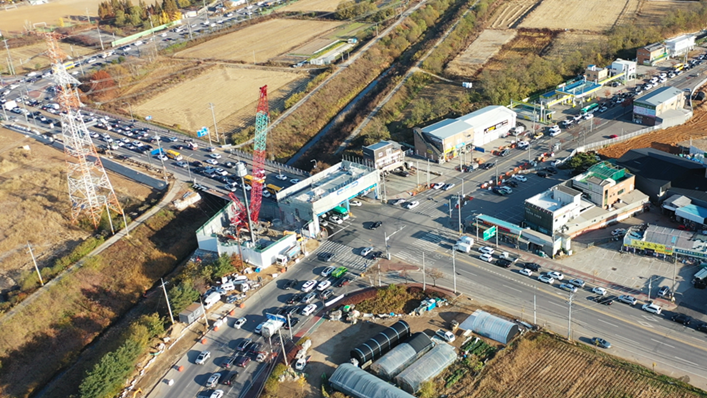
<point x="159" y="147"/>
<point x="450" y="211"/>
<point x="650" y="282"/>
<point x="282" y="346"/>
<point x="213" y="115"/>
<point x="424" y="277"/>
<point x="289" y="326"/>
<point x="459" y="210"/>
<point x="428" y="173"/>
<point x="417" y="172"/>
<point x="9" y="58"/>
<point x="39" y="275"/>
<point x="166" y="297"/>
<point x="569" y="321"/>
<point x="454" y="269"/>
<point x="535" y="312"/>
<point x="477" y="228"/>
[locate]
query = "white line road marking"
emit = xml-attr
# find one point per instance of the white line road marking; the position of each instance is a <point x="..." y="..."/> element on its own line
<point x="660" y="342"/>
<point x="685" y="360"/>
<point x="558" y="304"/>
<point x="646" y="324"/>
<point x="608" y="323"/>
<point x="512" y="288"/>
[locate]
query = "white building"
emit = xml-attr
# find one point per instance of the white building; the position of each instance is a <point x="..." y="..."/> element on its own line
<point x="627" y="68"/>
<point x="680" y="45"/>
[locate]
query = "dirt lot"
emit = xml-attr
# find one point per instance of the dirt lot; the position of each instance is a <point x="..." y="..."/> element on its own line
<point x="664" y="140"/>
<point x="527" y="41"/>
<point x="312" y="5"/>
<point x="652" y="12"/>
<point x="15" y="19"/>
<point x="35" y="203"/>
<point x="575" y="14"/>
<point x="506" y="15"/>
<point x="34" y="57"/>
<point x="568" y="42"/>
<point x="261" y="42"/>
<point x="233" y="91"/>
<point x="480" y="51"/>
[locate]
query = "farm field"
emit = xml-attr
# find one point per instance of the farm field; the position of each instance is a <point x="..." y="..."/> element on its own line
<point x="261" y="42"/>
<point x="233" y="91"/>
<point x="489" y="42"/>
<point x="14" y="20"/>
<point x="651" y="12"/>
<point x="664" y="140"/>
<point x="542" y="365"/>
<point x="34" y="57"/>
<point x="312" y="5"/>
<point x="527" y="41"/>
<point x="575" y="14"/>
<point x="568" y="42"/>
<point x="507" y="15"/>
<point x="35" y="204"/>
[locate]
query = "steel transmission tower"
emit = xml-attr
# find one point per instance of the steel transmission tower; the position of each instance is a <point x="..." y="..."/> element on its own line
<point x="262" y="123"/>
<point x="90" y="190"/>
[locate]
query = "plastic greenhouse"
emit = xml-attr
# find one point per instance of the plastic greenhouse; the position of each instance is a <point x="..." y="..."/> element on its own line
<point x="402" y="356"/>
<point x="491" y="326"/>
<point x="381" y="343"/>
<point x="427" y="367"/>
<point x="358" y="383"/>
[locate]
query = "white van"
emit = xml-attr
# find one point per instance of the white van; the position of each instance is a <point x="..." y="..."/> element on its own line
<point x="228" y="286"/>
<point x="462" y="247"/>
<point x="211" y="299"/>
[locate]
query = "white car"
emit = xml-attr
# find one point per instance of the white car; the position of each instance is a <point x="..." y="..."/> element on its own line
<point x="281" y="177"/>
<point x="588" y="116"/>
<point x="161" y="157"/>
<point x="523" y="144"/>
<point x="449" y="186"/>
<point x="300" y="364"/>
<point x="652" y="308"/>
<point x="203" y="356"/>
<point x="215" y="156"/>
<point x="519" y="177"/>
<point x="555" y="133"/>
<point x="486" y="250"/>
<point x="239" y="323"/>
<point x="294" y="181"/>
<point x="266" y="194"/>
<point x="627" y="299"/>
<point x="356" y="203"/>
<point x="216" y="394"/>
<point x="328" y="270"/>
<point x="366" y="251"/>
<point x="211" y="161"/>
<point x="602" y="109"/>
<point x="556" y="275"/>
<point x="336" y="220"/>
<point x="546" y="279"/>
<point x="568" y="287"/>
<point x="446" y="335"/>
<point x="577" y="282"/>
<point x="599" y="290"/>
<point x="526" y="272"/>
<point x="486" y="257"/>
<point x="411" y="205"/>
<point x="618" y="232"/>
<point x="308" y="286"/>
<point x="323" y="285"/>
<point x="437" y="185"/>
<point x="309" y="309"/>
<point x="213" y="380"/>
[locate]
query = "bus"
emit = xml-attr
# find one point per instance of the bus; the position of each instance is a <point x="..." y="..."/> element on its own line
<point x="174" y="155"/>
<point x="67" y="65"/>
<point x="678" y="67"/>
<point x="249" y="179"/>
<point x="589" y="108"/>
<point x="273" y="189"/>
<point x="341" y="212"/>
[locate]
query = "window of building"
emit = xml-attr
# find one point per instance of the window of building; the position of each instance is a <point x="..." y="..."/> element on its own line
<point x="620" y="192"/>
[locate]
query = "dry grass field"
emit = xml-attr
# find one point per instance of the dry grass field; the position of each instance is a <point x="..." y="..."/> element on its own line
<point x="35" y="203"/>
<point x="527" y="41"/>
<point x="597" y="15"/>
<point x="505" y="16"/>
<point x="546" y="366"/>
<point x="480" y="51"/>
<point x="568" y="42"/>
<point x="233" y="91"/>
<point x="15" y="19"/>
<point x="651" y="12"/>
<point x="34" y="57"/>
<point x="260" y="42"/>
<point x="312" y="5"/>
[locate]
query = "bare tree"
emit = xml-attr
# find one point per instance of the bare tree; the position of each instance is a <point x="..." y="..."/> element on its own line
<point x="435" y="274"/>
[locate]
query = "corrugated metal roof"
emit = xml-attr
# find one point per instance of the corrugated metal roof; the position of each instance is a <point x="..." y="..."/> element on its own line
<point x="659" y="96"/>
<point x="484" y="116"/>
<point x="358" y="383"/>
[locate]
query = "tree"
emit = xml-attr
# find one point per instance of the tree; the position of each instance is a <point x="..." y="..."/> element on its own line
<point x="181" y="296"/>
<point x="183" y="3"/>
<point x="135" y="16"/>
<point x="103" y="86"/>
<point x="108" y="376"/>
<point x="435" y="274"/>
<point x="221" y="267"/>
<point x="170" y="7"/>
<point x="119" y="18"/>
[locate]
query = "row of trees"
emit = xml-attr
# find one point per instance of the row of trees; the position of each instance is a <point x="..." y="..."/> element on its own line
<point x="121" y="13"/>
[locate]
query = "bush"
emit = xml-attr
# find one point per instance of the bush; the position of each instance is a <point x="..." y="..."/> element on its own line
<point x="389" y="299"/>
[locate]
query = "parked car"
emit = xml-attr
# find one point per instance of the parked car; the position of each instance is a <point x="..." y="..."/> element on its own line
<point x="355" y="203"/>
<point x="624" y="298"/>
<point x="446" y="335"/>
<point x="681" y="318"/>
<point x="652" y="308"/>
<point x="600" y="342"/>
<point x="664" y="292"/>
<point x="532" y="266"/>
<point x="520" y="177"/>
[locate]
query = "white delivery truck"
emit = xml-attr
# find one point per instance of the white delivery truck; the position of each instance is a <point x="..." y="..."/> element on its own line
<point x="271" y="327"/>
<point x="464" y="244"/>
<point x="10" y="105"/>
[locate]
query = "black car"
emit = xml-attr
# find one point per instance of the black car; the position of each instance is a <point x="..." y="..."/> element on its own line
<point x="325" y="256"/>
<point x="291" y="283"/>
<point x="542" y="174"/>
<point x="281" y="311"/>
<point x="487" y="166"/>
<point x="255" y="348"/>
<point x="230" y="378"/>
<point x="296" y="298"/>
<point x="551" y="170"/>
<point x="512" y="183"/>
<point x="243" y="345"/>
<point x="228" y="363"/>
<point x="178" y="147"/>
<point x="376" y="224"/>
<point x="502" y="262"/>
<point x="293" y="310"/>
<point x="197" y="163"/>
<point x="605" y="300"/>
<point x="293" y="322"/>
<point x="701" y="327"/>
<point x="376" y="254"/>
<point x="342" y="282"/>
<point x="532" y="266"/>
<point x="681" y="318"/>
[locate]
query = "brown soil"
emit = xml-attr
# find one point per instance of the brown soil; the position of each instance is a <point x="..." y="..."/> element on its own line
<point x="665" y="140"/>
<point x="576" y="14"/>
<point x="528" y="41"/>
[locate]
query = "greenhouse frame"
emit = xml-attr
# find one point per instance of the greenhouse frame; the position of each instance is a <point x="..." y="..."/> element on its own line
<point x="427" y="367"/>
<point x="400" y="357"/>
<point x="358" y="383"/>
<point x="491" y="326"/>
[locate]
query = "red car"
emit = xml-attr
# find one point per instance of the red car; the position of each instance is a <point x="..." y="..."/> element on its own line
<point x="613" y="136"/>
<point x="242" y="361"/>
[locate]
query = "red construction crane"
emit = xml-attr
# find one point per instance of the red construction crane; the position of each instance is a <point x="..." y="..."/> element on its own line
<point x="262" y="123"/>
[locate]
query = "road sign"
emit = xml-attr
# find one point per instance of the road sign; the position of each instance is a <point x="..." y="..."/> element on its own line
<point x="274" y="317"/>
<point x="158" y="151"/>
<point x="490" y="233"/>
<point x="204" y="131"/>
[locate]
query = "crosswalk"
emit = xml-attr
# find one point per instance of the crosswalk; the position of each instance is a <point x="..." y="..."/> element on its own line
<point x="428" y="244"/>
<point x="345" y="256"/>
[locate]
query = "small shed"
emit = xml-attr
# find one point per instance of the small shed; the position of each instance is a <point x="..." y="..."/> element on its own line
<point x="491" y="326"/>
<point x="191" y="313"/>
<point x="358" y="383"/>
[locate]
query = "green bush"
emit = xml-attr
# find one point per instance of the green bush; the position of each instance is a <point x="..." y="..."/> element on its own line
<point x="458" y="374"/>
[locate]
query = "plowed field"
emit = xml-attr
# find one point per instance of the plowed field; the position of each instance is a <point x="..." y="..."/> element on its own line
<point x="548" y="367"/>
<point x="664" y="140"/>
<point x="506" y="15"/>
<point x="575" y="14"/>
<point x="312" y="5"/>
<point x="489" y="42"/>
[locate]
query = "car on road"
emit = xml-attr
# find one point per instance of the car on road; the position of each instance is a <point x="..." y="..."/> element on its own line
<point x="520" y="177"/>
<point x="546" y="279"/>
<point x="603" y="109"/>
<point x="309" y="297"/>
<point x="217" y="394"/>
<point x="294" y="181"/>
<point x="556" y="275"/>
<point x="308" y="286"/>
<point x="375" y="225"/>
<point x="366" y="251"/>
<point x="242" y="361"/>
<point x="486" y="257"/>
<point x="343" y="282"/>
<point x="355" y="203"/>
<point x="437" y="185"/>
<point x="488" y="165"/>
<point x="396" y="202"/>
<point x="239" y="323"/>
<point x="309" y="309"/>
<point x="613" y="136"/>
<point x="701" y="327"/>
<point x="681" y="318"/>
<point x="411" y="205"/>
<point x="296" y="298"/>
<point x="652" y="308"/>
<point x="624" y="298"/>
<point x="526" y="272"/>
<point x="323" y="285"/>
<point x="213" y="380"/>
<point x="588" y="116"/>
<point x="327" y="271"/>
<point x="505" y="263"/>
<point x="486" y="250"/>
<point x="255" y="348"/>
<point x="325" y="295"/>
<point x="532" y="266"/>
<point x="542" y="174"/>
<point x="211" y="161"/>
<point x="336" y="220"/>
<point x="605" y="300"/>
<point x="292" y="310"/>
<point x="230" y="379"/>
<point x="599" y="290"/>
<point x="243" y="345"/>
<point x="618" y="232"/>
<point x="568" y="287"/>
<point x="259" y="328"/>
<point x="326" y="257"/>
<point x="203" y="356"/>
<point x="214" y="155"/>
<point x="293" y="323"/>
<point x="445" y="335"/>
<point x="577" y="282"/>
<point x="503" y="191"/>
<point x="291" y="283"/>
<point x="281" y="177"/>
<point x="600" y="342"/>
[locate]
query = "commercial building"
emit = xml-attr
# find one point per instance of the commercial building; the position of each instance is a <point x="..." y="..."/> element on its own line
<point x="384" y="155"/>
<point x="603" y="195"/>
<point x="666" y="242"/>
<point x="627" y="68"/>
<point x="488" y="228"/>
<point x="651" y="54"/>
<point x="649" y="108"/>
<point x="680" y="45"/>
<point x="447" y="139"/>
<point x="596" y="74"/>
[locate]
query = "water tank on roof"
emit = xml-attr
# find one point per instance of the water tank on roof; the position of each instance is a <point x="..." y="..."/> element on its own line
<point x="402" y="356"/>
<point x="381" y="343"/>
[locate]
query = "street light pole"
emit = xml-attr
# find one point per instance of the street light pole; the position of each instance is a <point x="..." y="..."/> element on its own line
<point x="569" y="320"/>
<point x="213" y="115"/>
<point x="454" y="269"/>
<point x="424" y="277"/>
<point x="131" y="111"/>
<point x="166" y="297"/>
